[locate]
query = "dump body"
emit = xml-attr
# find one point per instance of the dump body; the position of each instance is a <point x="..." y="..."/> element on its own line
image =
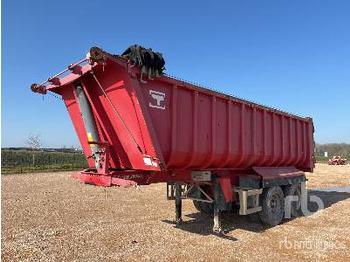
<point x="165" y="124"/>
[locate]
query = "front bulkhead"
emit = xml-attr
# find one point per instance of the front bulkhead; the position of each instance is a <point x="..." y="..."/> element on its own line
<point x="117" y="114"/>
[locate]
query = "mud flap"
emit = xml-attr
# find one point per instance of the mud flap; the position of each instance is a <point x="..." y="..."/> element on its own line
<point x="222" y="201"/>
<point x="222" y="194"/>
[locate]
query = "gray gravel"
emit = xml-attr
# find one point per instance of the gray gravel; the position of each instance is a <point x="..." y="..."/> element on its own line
<point x="52" y="217"/>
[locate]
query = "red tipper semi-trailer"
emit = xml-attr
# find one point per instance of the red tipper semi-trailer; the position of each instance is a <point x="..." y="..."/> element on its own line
<point x="139" y="126"/>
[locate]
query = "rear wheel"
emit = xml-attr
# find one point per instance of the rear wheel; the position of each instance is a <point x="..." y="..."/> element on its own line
<point x="272" y="201"/>
<point x="295" y="206"/>
<point x="204" y="207"/>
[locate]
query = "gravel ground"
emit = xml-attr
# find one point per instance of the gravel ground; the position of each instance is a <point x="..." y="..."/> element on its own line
<point x="52" y="217"/>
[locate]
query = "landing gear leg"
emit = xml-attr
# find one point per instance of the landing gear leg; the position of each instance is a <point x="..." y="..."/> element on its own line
<point x="218" y="197"/>
<point x="217" y="223"/>
<point x="178" y="203"/>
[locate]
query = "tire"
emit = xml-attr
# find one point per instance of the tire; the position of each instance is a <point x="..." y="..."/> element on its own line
<point x="294" y="190"/>
<point x="272" y="200"/>
<point x="203" y="207"/>
<point x="197" y="205"/>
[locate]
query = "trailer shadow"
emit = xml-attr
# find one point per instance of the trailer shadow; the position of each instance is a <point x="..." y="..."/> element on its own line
<point x="201" y="223"/>
<point x="327" y="196"/>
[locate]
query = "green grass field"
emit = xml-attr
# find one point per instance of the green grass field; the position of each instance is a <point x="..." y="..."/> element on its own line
<point x="22" y="161"/>
<point x="35" y="161"/>
<point x="321" y="159"/>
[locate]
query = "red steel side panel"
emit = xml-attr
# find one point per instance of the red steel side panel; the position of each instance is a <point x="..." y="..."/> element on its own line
<point x="201" y="129"/>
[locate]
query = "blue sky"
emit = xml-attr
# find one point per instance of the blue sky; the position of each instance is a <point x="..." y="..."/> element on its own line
<point x="293" y="55"/>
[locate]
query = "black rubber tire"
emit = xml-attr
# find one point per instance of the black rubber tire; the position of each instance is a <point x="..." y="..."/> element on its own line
<point x="272" y="201"/>
<point x="294" y="190"/>
<point x="197" y="205"/>
<point x="204" y="207"/>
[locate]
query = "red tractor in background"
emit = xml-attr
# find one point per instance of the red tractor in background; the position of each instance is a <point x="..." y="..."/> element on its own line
<point x="337" y="160"/>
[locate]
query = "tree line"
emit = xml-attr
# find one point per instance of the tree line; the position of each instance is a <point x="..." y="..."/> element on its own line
<point x="333" y="149"/>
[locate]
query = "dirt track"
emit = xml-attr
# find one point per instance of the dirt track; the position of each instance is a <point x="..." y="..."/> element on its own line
<point x="51" y="217"/>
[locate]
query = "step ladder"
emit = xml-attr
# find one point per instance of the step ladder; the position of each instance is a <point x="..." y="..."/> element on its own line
<point x="244" y="193"/>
